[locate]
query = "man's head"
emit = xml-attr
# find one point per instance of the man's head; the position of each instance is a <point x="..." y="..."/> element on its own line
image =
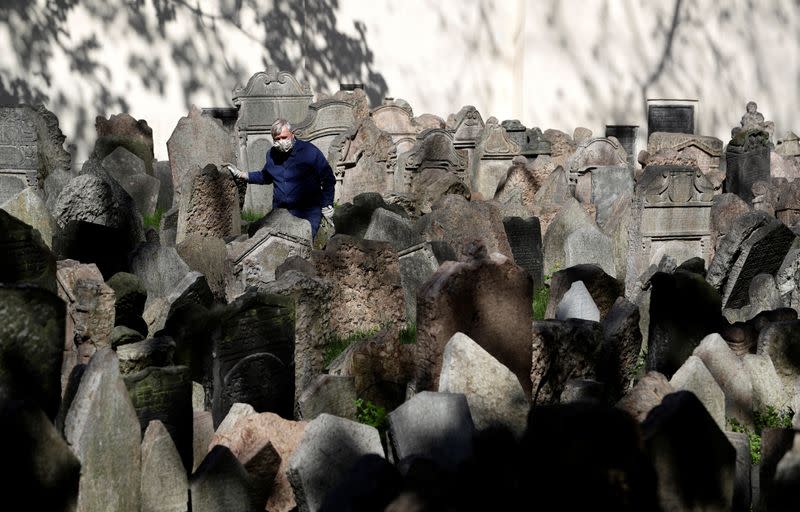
<point x="282" y="135"/>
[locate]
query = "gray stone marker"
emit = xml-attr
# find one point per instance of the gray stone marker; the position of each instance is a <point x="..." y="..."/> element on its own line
<point x="626" y="135"/>
<point x="325" y="120"/>
<point x="220" y="484"/>
<point x="165" y="487"/>
<point x="694" y="376"/>
<point x="159" y="268"/>
<point x="29" y="207"/>
<point x="329" y="448"/>
<point x="704" y="151"/>
<point x="703" y="475"/>
<point x="165" y="394"/>
<point x="24" y="257"/>
<point x="525" y="238"/>
<point x="330" y="394"/>
<point x="209" y="204"/>
<point x="670" y="118"/>
<point x="268" y="95"/>
<point x="362" y="159"/>
<point x="742" y="488"/>
<point x="493" y="155"/>
<point x="645" y="395"/>
<point x="433" y="149"/>
<point x="609" y="183"/>
<point x="434" y="425"/>
<point x="103" y="431"/>
<point x="124" y="130"/>
<point x="494" y="395"/>
<point x="46" y="473"/>
<point x="577" y="303"/>
<point x="388" y="226"/>
<point x="727" y="370"/>
<point x="32" y="325"/>
<point x="417" y="265"/>
<point x="588" y="155"/>
<point x="589" y="245"/>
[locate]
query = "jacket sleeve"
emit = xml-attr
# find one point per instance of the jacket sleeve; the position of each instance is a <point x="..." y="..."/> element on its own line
<point x="326" y="178"/>
<point x="262" y="177"/>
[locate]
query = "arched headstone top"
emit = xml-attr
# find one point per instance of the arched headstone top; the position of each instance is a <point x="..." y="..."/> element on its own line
<point x="271" y="83"/>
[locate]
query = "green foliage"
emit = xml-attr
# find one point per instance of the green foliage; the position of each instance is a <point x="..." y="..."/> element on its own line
<point x="408" y="334"/>
<point x="251" y="216"/>
<point x="153" y="220"/>
<point x="767" y="418"/>
<point x="371" y="414"/>
<point x="338" y="345"/>
<point x="540" y="299"/>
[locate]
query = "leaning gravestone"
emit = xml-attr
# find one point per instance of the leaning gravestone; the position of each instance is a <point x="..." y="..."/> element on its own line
<point x="165" y="487"/>
<point x="525" y="238"/>
<point x="388" y="226"/>
<point x="589" y="245"/>
<point x="209" y="204"/>
<point x="32" y="146"/>
<point x="122" y="130"/>
<point x="29" y="207"/>
<point x="433" y="425"/>
<point x="165" y="395"/>
<point x="24" y="258"/>
<point x="609" y="183"/>
<point x="197" y="141"/>
<point x="693" y="376"/>
<point x="329" y="448"/>
<point x="31" y="345"/>
<point x="129" y="171"/>
<point x="103" y="431"/>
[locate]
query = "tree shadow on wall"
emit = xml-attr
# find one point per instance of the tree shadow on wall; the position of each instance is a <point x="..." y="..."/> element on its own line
<point x="199" y="50"/>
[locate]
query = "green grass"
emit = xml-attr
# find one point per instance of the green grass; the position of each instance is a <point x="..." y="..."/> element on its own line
<point x="408" y="334"/>
<point x="338" y="345"/>
<point x="153" y="220"/>
<point x="540" y="299"/>
<point x="251" y="215"/>
<point x="768" y="418"/>
<point x="371" y="414"/>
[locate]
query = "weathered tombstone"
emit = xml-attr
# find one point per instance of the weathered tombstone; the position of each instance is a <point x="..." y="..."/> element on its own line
<point x="160" y="269"/>
<point x="417" y="265"/>
<point x="365" y="276"/>
<point x="330" y="446"/>
<point x="220" y="483"/>
<point x="781" y="342"/>
<point x="784" y="494"/>
<point x="693" y="459"/>
<point x="603" y="288"/>
<point x="626" y="135"/>
<point x="164" y="394"/>
<point x="209" y="204"/>
<point x="590" y="154"/>
<point x="648" y="393"/>
<point x="267" y="96"/>
<point x="789" y="145"/>
<point x="330" y="394"/>
<point x="31" y="345"/>
<point x="324" y="121"/>
<point x="123" y="130"/>
<point x="129" y="171"/>
<point x="588" y="245"/>
<point x="24" y="258"/>
<point x="396" y="118"/>
<point x="466" y="125"/>
<point x="518" y="188"/>
<point x="757" y="243"/>
<point x="362" y="159"/>
<point x="190" y="294"/>
<point x="29" y="207"/>
<point x="609" y="184"/>
<point x="525" y="238"/>
<point x="209" y="256"/>
<point x="433" y="149"/>
<point x="693" y="376"/>
<point x="703" y="151"/>
<point x="46" y="473"/>
<point x="32" y="146"/>
<point x="515" y="130"/>
<point x="492" y="158"/>
<point x="577" y="303"/>
<point x="494" y="395"/>
<point x="103" y="431"/>
<point x="671" y="215"/>
<point x="748" y="154"/>
<point x="433" y="425"/>
<point x="569" y="218"/>
<point x="775" y="443"/>
<point x="726" y="208"/>
<point x="391" y="227"/>
<point x="727" y="370"/>
<point x="165" y="487"/>
<point x="90" y="312"/>
<point x="535" y="144"/>
<point x="488" y="298"/>
<point x="622" y="344"/>
<point x="141" y="355"/>
<point x="670" y="116"/>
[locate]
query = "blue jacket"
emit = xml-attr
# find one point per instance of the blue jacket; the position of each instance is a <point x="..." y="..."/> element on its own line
<point x="301" y="178"/>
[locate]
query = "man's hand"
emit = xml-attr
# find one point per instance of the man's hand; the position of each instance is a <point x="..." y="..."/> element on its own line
<point x="235" y="172"/>
<point x="327" y="212"/>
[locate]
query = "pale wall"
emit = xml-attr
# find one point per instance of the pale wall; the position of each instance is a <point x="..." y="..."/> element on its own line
<point x="553" y="64"/>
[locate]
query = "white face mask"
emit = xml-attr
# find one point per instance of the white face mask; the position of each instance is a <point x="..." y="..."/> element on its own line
<point x="284" y="145"/>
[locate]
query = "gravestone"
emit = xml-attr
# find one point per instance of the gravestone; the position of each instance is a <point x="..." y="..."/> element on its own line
<point x="646" y="394"/>
<point x="325" y="120"/>
<point x="466" y="125"/>
<point x="329" y="448"/>
<point x="494" y="395"/>
<point x="748" y="154"/>
<point x="626" y="135"/>
<point x="253" y="339"/>
<point x="209" y="204"/>
<point x="789" y="145"/>
<point x="129" y="171"/>
<point x="24" y="258"/>
<point x="756" y="243"/>
<point x="592" y="153"/>
<point x="160" y="269"/>
<point x="704" y="151"/>
<point x="492" y="157"/>
<point x="609" y="184"/>
<point x="603" y="288"/>
<point x="570" y="217"/>
<point x="693" y="376"/>
<point x="535" y="144"/>
<point x="525" y="238"/>
<point x="123" y="130"/>
<point x="103" y="431"/>
<point x="434" y="149"/>
<point x="267" y="96"/>
<point x="589" y="245"/>
<point x="331" y="394"/>
<point x="165" y="487"/>
<point x="29" y="207"/>
<point x="388" y="226"/>
<point x="31" y="146"/>
<point x="164" y="394"/>
<point x="31" y="345"/>
<point x="671" y="216"/>
<point x="488" y="298"/>
<point x="670" y="118"/>
<point x="437" y="426"/>
<point x="515" y="130"/>
<point x="417" y="265"/>
<point x="220" y="483"/>
<point x="362" y="159"/>
<point x="577" y="303"/>
<point x="396" y="118"/>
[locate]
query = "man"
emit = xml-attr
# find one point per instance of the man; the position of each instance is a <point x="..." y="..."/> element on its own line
<point x="300" y="174"/>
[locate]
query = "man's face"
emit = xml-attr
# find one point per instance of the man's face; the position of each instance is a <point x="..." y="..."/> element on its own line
<point x="284" y="135"/>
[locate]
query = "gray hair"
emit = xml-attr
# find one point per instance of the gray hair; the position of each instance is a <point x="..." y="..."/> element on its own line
<point x="279" y="125"/>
